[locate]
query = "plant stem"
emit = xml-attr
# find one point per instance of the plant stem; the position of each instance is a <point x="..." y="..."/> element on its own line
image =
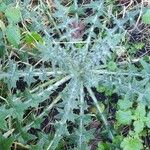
<point x="91" y="31"/>
<point x="119" y="73"/>
<point x="81" y="115"/>
<point x="22" y="74"/>
<point x="52" y="87"/>
<point x="49" y="82"/>
<point x="100" y="112"/>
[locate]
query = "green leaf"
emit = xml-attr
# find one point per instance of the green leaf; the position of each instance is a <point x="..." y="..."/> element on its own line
<point x="112" y="66"/>
<point x="79" y="45"/>
<point x="139" y="45"/>
<point x="101" y="88"/>
<point x="138" y="126"/>
<point x="140" y="112"/>
<point x="146" y="17"/>
<point x="10" y="32"/>
<point x="103" y="146"/>
<point x="148" y="120"/>
<point x="33" y="37"/>
<point x="124" y="104"/>
<point x="124" y="117"/>
<point x="108" y="91"/>
<point x="5" y="143"/>
<point x="130" y="143"/>
<point x="13" y="14"/>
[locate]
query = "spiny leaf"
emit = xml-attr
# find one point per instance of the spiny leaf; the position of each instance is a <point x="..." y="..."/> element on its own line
<point x="4" y="113"/>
